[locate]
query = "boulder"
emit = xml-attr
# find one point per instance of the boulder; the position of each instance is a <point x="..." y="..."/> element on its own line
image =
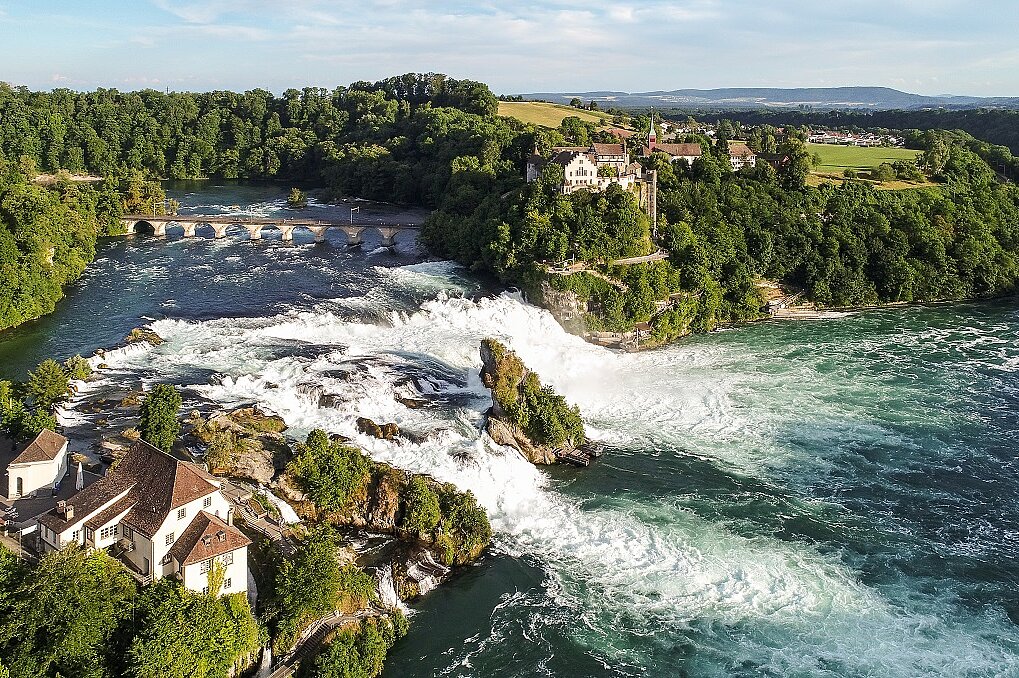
<point x="141" y="334"/>
<point x="383" y="432"/>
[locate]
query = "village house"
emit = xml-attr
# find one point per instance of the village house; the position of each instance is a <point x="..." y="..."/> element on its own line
<point x="676" y="152"/>
<point x="161" y="516"/>
<point x="741" y="156"/>
<point x="40" y="466"/>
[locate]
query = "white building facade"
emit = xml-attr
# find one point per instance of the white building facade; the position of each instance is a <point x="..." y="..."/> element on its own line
<point x="39" y="467"/>
<point x="141" y="509"/>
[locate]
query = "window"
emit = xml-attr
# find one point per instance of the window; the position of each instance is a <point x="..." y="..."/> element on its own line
<point x="128" y="532"/>
<point x="207" y="503"/>
<point x="108" y="532"/>
<point x="228" y="558"/>
<point x="205" y="590"/>
<point x="170" y="538"/>
<point x="89" y="534"/>
<point x="181" y="512"/>
<point x="204" y="566"/>
<point x="226" y="583"/>
<point x="75" y="535"/>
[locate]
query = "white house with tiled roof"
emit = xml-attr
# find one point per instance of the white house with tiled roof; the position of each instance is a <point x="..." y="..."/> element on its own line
<point x="39" y="466"/>
<point x="142" y="508"/>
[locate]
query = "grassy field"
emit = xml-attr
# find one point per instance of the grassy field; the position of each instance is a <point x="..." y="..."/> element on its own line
<point x="549" y="115"/>
<point x="836" y="159"/>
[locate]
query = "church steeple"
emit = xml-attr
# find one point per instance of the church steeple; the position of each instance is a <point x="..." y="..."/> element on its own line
<point x="652" y="138"/>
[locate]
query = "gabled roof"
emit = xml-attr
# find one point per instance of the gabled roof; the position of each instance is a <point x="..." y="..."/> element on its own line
<point x="738" y="149"/>
<point x="567" y="156"/>
<point x="206" y="537"/>
<point x="46" y="447"/>
<point x="677" y="150"/>
<point x="155" y="481"/>
<point x="609" y="149"/>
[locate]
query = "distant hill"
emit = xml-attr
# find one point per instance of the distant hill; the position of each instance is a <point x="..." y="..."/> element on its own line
<point x="818" y="98"/>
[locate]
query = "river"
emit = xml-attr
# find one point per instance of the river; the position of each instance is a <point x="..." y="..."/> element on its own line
<point x="829" y="498"/>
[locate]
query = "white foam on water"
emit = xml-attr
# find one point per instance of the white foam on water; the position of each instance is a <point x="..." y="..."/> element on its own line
<point x="623" y="565"/>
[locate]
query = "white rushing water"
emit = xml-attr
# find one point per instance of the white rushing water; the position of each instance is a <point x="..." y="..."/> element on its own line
<point x="623" y="563"/>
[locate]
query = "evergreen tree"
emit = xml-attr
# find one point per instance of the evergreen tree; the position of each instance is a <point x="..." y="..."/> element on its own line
<point x="159" y="425"/>
<point x="47" y="384"/>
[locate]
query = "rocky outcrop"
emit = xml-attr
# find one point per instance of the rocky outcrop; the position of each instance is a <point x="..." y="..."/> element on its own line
<point x="245" y="443"/>
<point x="514" y="387"/>
<point x="382" y="432"/>
<point x="140" y="334"/>
<point x="509" y="434"/>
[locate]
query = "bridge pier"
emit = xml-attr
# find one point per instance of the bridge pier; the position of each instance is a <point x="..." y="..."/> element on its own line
<point x="319" y="231"/>
<point x="286" y="232"/>
<point x="158" y="228"/>
<point x="254" y="231"/>
<point x="128" y="225"/>
<point x="389" y="235"/>
<point x="189" y="229"/>
<point x="353" y="234"/>
<point x="219" y="229"/>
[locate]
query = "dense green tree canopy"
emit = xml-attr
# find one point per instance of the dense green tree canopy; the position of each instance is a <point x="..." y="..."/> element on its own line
<point x="159" y="425"/>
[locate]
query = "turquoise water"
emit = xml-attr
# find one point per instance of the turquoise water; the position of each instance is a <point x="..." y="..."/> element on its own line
<point x="831" y="498"/>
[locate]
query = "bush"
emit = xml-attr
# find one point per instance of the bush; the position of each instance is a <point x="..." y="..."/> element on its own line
<point x="466" y="530"/>
<point x="78" y="368"/>
<point x="358" y="652"/>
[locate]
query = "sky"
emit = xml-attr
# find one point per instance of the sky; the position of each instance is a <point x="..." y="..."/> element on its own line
<point x="924" y="46"/>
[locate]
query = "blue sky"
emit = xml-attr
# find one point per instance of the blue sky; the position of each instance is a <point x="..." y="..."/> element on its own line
<point x="924" y="46"/>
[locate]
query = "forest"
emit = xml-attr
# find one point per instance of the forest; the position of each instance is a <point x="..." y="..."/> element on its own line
<point x="438" y="142"/>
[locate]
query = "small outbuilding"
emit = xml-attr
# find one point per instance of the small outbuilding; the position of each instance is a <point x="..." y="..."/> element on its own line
<point x="41" y="465"/>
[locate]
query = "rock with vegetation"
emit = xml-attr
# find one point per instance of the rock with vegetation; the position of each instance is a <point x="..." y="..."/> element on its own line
<point x="526" y="415"/>
<point x="297" y="199"/>
<point x="244" y="443"/>
<point x="344" y="487"/>
<point x="141" y="334"/>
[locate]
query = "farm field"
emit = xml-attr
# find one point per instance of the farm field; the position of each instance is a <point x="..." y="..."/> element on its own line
<point x="836" y="159"/>
<point x="549" y="115"/>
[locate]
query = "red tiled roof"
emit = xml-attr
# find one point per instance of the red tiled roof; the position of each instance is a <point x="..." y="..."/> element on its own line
<point x="206" y="537"/>
<point x="738" y="149"/>
<point x="157" y="482"/>
<point x="609" y="149"/>
<point x="45" y="447"/>
<point x="99" y="520"/>
<point x="688" y="150"/>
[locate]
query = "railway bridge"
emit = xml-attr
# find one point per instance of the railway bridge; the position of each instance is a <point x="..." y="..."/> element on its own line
<point x="219" y="223"/>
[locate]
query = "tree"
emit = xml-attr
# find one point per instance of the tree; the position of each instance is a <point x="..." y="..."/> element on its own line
<point x="159" y="425"/>
<point x="47" y="384"/>
<point x="297" y="199"/>
<point x="421" y="513"/>
<point x="28" y="423"/>
<point x="183" y="634"/>
<point x="575" y="102"/>
<point x="78" y="368"/>
<point x="359" y="651"/>
<point x="62" y="614"/>
<point x="330" y="472"/>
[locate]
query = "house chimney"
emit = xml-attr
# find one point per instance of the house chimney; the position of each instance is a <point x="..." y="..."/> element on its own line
<point x="69" y="512"/>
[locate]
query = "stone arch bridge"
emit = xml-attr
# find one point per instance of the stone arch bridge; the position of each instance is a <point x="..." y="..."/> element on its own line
<point x="190" y="223"/>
